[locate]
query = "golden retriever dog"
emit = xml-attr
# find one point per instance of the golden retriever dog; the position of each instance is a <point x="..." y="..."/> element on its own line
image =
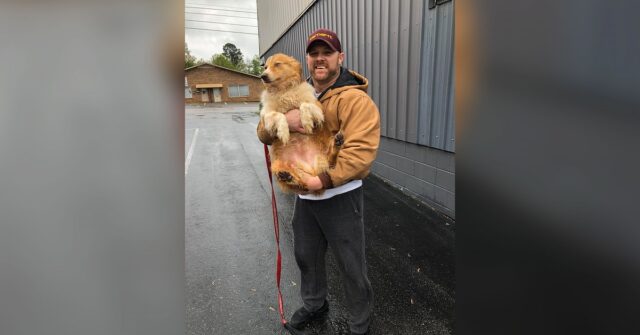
<point x="295" y="156"/>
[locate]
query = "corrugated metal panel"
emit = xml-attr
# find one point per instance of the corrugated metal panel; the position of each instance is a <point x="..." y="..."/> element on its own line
<point x="436" y="117"/>
<point x="275" y="16"/>
<point x="406" y="51"/>
<point x="392" y="70"/>
<point x="383" y="67"/>
<point x="415" y="43"/>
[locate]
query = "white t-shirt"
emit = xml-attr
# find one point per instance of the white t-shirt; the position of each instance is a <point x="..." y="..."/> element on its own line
<point x="332" y="192"/>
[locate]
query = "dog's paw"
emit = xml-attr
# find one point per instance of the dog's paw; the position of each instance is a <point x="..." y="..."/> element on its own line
<point x="310" y="116"/>
<point x="306" y="119"/>
<point x="308" y="128"/>
<point x="283" y="136"/>
<point x="284" y="176"/>
<point x="269" y="121"/>
<point x="338" y="140"/>
<point x="316" y="113"/>
<point x="282" y="128"/>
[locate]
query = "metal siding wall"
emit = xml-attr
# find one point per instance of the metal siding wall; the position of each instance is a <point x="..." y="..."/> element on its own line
<point x="392" y="69"/>
<point x="384" y="73"/>
<point x="436" y="115"/>
<point x="406" y="52"/>
<point x="364" y="36"/>
<point x="426" y="72"/>
<point x="413" y="91"/>
<point x="368" y="41"/>
<point x="443" y="78"/>
<point x="348" y="32"/>
<point x="273" y="20"/>
<point x="343" y="25"/>
<point x="451" y="121"/>
<point x="375" y="50"/>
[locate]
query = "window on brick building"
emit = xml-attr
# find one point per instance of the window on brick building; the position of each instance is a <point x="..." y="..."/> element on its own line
<point x="236" y="91"/>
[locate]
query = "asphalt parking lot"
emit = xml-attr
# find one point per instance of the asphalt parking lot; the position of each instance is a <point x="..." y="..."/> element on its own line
<point x="230" y="247"/>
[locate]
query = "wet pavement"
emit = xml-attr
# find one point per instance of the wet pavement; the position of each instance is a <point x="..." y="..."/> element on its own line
<point x="230" y="246"/>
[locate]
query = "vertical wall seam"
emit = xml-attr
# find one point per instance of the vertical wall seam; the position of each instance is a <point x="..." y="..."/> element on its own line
<point x="433" y="79"/>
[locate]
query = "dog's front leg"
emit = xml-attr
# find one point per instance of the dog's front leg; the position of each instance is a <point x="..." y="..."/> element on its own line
<point x="310" y="115"/>
<point x="277" y="125"/>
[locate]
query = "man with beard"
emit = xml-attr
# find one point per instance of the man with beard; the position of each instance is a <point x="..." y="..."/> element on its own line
<point x="335" y="218"/>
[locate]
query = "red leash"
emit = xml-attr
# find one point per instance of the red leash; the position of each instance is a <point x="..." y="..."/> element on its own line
<point x="276" y="228"/>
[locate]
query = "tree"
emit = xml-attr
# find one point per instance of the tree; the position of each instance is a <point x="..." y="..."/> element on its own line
<point x="222" y="60"/>
<point x="254" y="66"/>
<point x="189" y="60"/>
<point x="242" y="67"/>
<point x="249" y="66"/>
<point x="232" y="53"/>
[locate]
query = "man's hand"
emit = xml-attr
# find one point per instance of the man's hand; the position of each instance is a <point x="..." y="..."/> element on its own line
<point x="293" y="119"/>
<point x="313" y="183"/>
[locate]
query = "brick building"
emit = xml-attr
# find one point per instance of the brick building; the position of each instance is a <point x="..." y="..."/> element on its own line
<point x="208" y="83"/>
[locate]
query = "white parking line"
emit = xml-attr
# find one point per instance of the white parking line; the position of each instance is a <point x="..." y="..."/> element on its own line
<point x="193" y="144"/>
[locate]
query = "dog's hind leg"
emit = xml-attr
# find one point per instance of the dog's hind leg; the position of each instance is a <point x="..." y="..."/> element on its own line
<point x="334" y="147"/>
<point x="289" y="176"/>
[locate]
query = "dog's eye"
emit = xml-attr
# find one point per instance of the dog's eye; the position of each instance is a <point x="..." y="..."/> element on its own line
<point x="277" y="64"/>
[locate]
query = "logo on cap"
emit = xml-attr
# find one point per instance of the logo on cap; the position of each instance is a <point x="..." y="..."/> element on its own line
<point x="316" y="35"/>
<point x="326" y="36"/>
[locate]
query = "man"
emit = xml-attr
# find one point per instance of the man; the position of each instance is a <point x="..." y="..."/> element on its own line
<point x="335" y="218"/>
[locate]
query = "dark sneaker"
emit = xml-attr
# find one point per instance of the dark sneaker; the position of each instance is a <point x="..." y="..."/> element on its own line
<point x="368" y="332"/>
<point x="302" y="317"/>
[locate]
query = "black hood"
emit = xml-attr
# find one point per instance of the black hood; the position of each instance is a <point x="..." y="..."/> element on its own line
<point x="345" y="79"/>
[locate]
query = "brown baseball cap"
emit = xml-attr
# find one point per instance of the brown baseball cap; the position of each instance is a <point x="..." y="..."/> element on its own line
<point x="327" y="36"/>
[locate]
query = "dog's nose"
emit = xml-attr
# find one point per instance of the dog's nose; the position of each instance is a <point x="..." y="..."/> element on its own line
<point x="264" y="78"/>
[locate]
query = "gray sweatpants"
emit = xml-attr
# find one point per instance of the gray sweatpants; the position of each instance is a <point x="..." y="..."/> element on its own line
<point x="336" y="222"/>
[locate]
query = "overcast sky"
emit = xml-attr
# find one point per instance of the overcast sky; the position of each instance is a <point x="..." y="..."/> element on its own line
<point x="205" y="43"/>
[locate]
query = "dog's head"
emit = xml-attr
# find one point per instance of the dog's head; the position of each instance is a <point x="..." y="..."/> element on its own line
<point x="281" y="71"/>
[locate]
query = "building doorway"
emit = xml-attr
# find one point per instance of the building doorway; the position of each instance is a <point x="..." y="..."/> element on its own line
<point x="204" y="93"/>
<point x="217" y="95"/>
<point x="210" y="92"/>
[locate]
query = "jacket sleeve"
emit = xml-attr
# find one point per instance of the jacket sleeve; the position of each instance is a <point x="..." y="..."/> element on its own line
<point x="360" y="125"/>
<point x="264" y="135"/>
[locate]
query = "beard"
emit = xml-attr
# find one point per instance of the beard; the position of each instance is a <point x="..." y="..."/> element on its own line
<point x="325" y="75"/>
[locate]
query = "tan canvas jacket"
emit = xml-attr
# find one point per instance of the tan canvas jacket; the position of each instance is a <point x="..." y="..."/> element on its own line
<point x="347" y="108"/>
